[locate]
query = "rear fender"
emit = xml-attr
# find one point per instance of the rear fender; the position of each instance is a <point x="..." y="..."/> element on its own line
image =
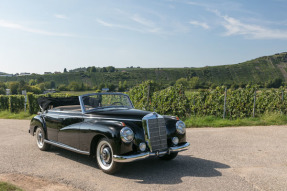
<point x="37" y="121"/>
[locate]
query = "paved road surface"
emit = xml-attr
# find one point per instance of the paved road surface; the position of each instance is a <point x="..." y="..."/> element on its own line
<point x="242" y="158"/>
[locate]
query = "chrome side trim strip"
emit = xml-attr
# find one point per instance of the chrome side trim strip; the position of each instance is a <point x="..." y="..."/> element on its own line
<point x="135" y="157"/>
<point x="61" y="145"/>
<point x="116" y="119"/>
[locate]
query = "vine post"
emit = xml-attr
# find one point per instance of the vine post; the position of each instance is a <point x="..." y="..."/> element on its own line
<point x="254" y="104"/>
<point x="148" y="92"/>
<point x="282" y="101"/>
<point x="224" y="109"/>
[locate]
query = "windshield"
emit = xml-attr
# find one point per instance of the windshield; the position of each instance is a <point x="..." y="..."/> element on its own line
<point x="104" y="101"/>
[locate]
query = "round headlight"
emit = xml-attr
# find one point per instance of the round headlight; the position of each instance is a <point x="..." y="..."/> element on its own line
<point x="180" y="127"/>
<point x="142" y="146"/>
<point x="127" y="134"/>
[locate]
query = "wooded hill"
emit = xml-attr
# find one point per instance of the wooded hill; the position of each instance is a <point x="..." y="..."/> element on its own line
<point x="259" y="71"/>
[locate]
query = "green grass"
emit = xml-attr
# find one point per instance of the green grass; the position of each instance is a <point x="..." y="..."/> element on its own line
<point x="212" y="121"/>
<point x="4" y="186"/>
<point x="21" y="115"/>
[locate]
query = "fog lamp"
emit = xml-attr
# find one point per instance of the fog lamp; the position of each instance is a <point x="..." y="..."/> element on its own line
<point x="142" y="146"/>
<point x="175" y="140"/>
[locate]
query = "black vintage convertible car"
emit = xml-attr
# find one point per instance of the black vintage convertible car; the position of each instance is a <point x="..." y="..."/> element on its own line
<point x="107" y="127"/>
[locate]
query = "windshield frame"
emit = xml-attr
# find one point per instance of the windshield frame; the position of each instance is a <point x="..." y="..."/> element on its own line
<point x="93" y="94"/>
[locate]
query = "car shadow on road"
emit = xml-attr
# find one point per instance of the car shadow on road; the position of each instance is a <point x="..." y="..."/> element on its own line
<point x="154" y="170"/>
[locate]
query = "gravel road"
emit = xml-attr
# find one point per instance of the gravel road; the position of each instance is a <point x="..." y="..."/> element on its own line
<point x="242" y="158"/>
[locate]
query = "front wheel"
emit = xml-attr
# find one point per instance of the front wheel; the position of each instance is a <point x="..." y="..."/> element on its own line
<point x="105" y="157"/>
<point x="40" y="136"/>
<point x="168" y="156"/>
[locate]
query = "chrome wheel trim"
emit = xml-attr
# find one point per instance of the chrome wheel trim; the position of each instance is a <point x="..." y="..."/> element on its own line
<point x="105" y="155"/>
<point x="40" y="138"/>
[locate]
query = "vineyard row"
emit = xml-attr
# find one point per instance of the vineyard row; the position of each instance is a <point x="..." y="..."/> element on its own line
<point x="220" y="102"/>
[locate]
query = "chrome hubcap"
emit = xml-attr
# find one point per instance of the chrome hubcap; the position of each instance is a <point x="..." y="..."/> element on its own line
<point x="105" y="155"/>
<point x="40" y="139"/>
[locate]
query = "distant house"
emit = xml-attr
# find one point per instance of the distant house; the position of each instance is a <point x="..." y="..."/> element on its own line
<point x="57" y="72"/>
<point x="24" y="74"/>
<point x="6" y="75"/>
<point x="47" y="72"/>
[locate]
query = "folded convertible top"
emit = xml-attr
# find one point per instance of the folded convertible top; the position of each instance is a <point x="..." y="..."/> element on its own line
<point x="45" y="102"/>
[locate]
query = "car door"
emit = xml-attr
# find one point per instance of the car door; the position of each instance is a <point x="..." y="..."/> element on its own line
<point x="52" y="122"/>
<point x="69" y="124"/>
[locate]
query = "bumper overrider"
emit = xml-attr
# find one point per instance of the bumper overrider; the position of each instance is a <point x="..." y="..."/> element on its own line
<point x="143" y="155"/>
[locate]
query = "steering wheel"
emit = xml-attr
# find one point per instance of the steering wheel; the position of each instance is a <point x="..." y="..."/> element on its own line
<point x="117" y="102"/>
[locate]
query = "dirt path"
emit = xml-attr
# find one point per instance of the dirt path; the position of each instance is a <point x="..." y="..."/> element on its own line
<point x="241" y="158"/>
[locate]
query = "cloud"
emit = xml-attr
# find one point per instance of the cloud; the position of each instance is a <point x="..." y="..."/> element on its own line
<point x="142" y="21"/>
<point x="136" y="29"/>
<point x="59" y="16"/>
<point x="236" y="27"/>
<point x="201" y="24"/>
<point x="106" y="24"/>
<point x="6" y="24"/>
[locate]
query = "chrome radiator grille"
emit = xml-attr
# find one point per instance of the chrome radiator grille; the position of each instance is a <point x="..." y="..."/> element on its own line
<point x="155" y="132"/>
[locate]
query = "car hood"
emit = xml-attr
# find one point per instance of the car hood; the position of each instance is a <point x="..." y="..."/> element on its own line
<point x="120" y="114"/>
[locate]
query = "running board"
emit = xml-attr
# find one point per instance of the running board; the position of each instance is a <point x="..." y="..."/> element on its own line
<point x="61" y="145"/>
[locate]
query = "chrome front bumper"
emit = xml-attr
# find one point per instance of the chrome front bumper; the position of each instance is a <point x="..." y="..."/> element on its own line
<point x="130" y="158"/>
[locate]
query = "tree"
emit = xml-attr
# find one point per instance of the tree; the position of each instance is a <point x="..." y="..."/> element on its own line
<point x="74" y="86"/>
<point x="47" y="85"/>
<point x="40" y="80"/>
<point x="65" y="70"/>
<point x="53" y="84"/>
<point x="41" y="86"/>
<point x="62" y="87"/>
<point x="91" y="69"/>
<point x="125" y="85"/>
<point x="32" y="82"/>
<point x="2" y="91"/>
<point x="121" y="89"/>
<point x="276" y="83"/>
<point x="13" y="86"/>
<point x="111" y="69"/>
<point x="104" y="69"/>
<point x="34" y="89"/>
<point x="182" y="81"/>
<point x="111" y="87"/>
<point x="22" y="86"/>
<point x="102" y="85"/>
<point x="2" y="85"/>
<point x="193" y="82"/>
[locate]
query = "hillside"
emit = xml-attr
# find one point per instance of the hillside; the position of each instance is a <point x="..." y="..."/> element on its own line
<point x="257" y="70"/>
<point x="261" y="70"/>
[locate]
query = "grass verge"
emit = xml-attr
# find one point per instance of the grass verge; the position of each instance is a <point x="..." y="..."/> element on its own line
<point x="4" y="186"/>
<point x="196" y="121"/>
<point x="21" y="115"/>
<point x="212" y="121"/>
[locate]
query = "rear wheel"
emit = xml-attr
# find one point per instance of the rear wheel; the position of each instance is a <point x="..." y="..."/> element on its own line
<point x="105" y="157"/>
<point x="40" y="137"/>
<point x="168" y="156"/>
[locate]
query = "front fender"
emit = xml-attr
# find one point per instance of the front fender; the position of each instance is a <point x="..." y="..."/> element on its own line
<point x="92" y="131"/>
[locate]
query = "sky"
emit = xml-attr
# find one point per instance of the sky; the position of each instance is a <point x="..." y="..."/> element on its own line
<point x="38" y="36"/>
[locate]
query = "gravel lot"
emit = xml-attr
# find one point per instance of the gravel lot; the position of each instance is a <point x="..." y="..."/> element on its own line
<point x="242" y="158"/>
